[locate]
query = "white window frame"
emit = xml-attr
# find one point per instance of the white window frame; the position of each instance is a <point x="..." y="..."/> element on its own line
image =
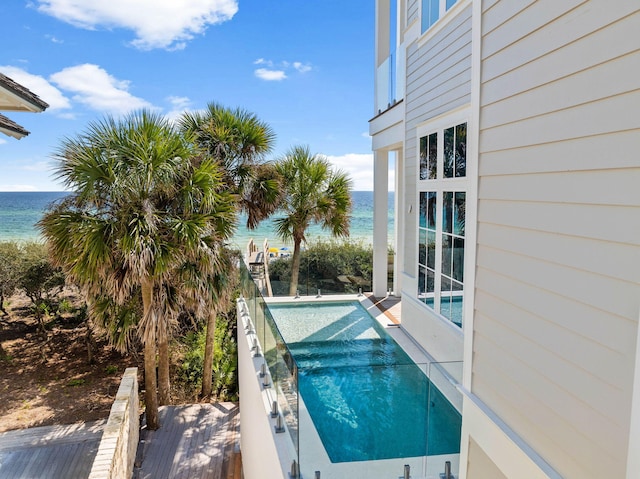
<point x="445" y="16"/>
<point x="466" y="184"/>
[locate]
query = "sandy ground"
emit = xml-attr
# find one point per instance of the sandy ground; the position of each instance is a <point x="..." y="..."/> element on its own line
<point x="45" y="381"/>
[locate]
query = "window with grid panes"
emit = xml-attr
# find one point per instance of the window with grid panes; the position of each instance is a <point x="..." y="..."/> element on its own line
<point x="441" y="230"/>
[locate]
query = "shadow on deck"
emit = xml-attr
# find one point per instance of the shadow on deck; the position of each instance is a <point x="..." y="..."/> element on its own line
<point x="194" y="441"/>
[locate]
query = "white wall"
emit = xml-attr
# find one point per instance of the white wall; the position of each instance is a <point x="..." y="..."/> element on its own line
<point x="260" y="457"/>
<point x="558" y="277"/>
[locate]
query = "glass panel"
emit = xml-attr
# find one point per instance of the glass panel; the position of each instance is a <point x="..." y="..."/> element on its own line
<point x="451" y="3"/>
<point x="422" y="247"/>
<point x="457" y="303"/>
<point x="461" y="150"/>
<point x="446" y="255"/>
<point x="448" y="155"/>
<point x="432" y="205"/>
<point x="459" y="213"/>
<point x="431" y="281"/>
<point x="424" y="206"/>
<point x="445" y="286"/>
<point x="433" y="156"/>
<point x="431" y="249"/>
<point x="458" y="259"/>
<point x="424" y="167"/>
<point x="445" y="306"/>
<point x="422" y="277"/>
<point x="434" y="11"/>
<point x="444" y="417"/>
<point x="447" y="212"/>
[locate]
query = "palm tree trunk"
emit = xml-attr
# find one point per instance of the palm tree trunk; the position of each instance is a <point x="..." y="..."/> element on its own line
<point x="207" y="372"/>
<point x="2" y="304"/>
<point x="150" y="384"/>
<point x="295" y="267"/>
<point x="164" y="384"/>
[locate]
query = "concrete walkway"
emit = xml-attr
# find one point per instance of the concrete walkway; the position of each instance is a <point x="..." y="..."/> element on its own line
<point x="195" y="441"/>
<point x="51" y="452"/>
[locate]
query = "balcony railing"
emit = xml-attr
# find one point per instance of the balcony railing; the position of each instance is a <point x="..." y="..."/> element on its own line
<point x="389" y="83"/>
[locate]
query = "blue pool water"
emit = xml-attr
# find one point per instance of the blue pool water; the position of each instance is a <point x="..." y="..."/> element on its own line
<point x="366" y="398"/>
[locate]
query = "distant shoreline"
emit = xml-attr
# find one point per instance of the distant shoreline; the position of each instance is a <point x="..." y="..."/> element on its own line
<point x="20" y="211"/>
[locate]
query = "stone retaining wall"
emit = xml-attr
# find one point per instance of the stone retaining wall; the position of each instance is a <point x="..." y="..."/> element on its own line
<point x="117" y="451"/>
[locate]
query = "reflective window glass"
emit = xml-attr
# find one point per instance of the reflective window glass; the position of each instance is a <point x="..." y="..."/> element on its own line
<point x="448" y="155"/>
<point x="431" y="249"/>
<point x="424" y="168"/>
<point x="447" y="212"/>
<point x="461" y="150"/>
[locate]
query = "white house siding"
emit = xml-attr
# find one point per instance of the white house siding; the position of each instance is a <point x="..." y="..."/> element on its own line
<point x="480" y="465"/>
<point x="558" y="258"/>
<point x="413" y="11"/>
<point x="438" y="81"/>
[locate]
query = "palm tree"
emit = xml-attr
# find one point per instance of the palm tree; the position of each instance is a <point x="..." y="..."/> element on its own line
<point x="313" y="193"/>
<point x="238" y="142"/>
<point x="144" y="206"/>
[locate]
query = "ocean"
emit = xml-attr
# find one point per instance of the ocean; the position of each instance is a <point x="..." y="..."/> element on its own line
<point x="20" y="211"/>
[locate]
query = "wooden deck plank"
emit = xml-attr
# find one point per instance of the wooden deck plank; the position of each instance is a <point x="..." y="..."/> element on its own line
<point x="59" y="460"/>
<point x="192" y="442"/>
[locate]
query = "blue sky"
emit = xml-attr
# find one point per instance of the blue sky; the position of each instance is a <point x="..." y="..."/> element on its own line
<point x="303" y="66"/>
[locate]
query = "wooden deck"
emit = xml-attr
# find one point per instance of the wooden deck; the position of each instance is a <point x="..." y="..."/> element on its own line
<point x="52" y="452"/>
<point x="195" y="441"/>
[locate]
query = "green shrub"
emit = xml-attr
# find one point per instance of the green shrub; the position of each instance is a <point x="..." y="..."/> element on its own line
<point x="225" y="361"/>
<point x="330" y="265"/>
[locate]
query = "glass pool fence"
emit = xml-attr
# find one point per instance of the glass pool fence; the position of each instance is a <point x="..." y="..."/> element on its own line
<point x="347" y="420"/>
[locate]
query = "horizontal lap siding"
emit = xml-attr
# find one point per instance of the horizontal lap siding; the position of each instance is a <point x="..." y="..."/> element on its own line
<point x="558" y="263"/>
<point x="438" y="81"/>
<point x="480" y="465"/>
<point x="413" y="11"/>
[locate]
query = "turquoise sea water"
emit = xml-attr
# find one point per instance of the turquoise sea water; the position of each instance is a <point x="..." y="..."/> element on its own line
<point x="19" y="211"/>
<point x="361" y="389"/>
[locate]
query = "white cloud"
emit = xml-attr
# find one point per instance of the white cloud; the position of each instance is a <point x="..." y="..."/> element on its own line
<point x="270" y="75"/>
<point x="38" y="166"/>
<point x="359" y="166"/>
<point x="301" y="67"/>
<point x="94" y="87"/>
<point x="179" y="105"/>
<point x="2" y="141"/>
<point x="278" y="71"/>
<point x="156" y="23"/>
<point x="53" y="39"/>
<point x="262" y="61"/>
<point x="18" y="188"/>
<point x="38" y="85"/>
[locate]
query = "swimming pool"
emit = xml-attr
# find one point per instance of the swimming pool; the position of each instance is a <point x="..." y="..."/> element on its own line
<point x="366" y="397"/>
